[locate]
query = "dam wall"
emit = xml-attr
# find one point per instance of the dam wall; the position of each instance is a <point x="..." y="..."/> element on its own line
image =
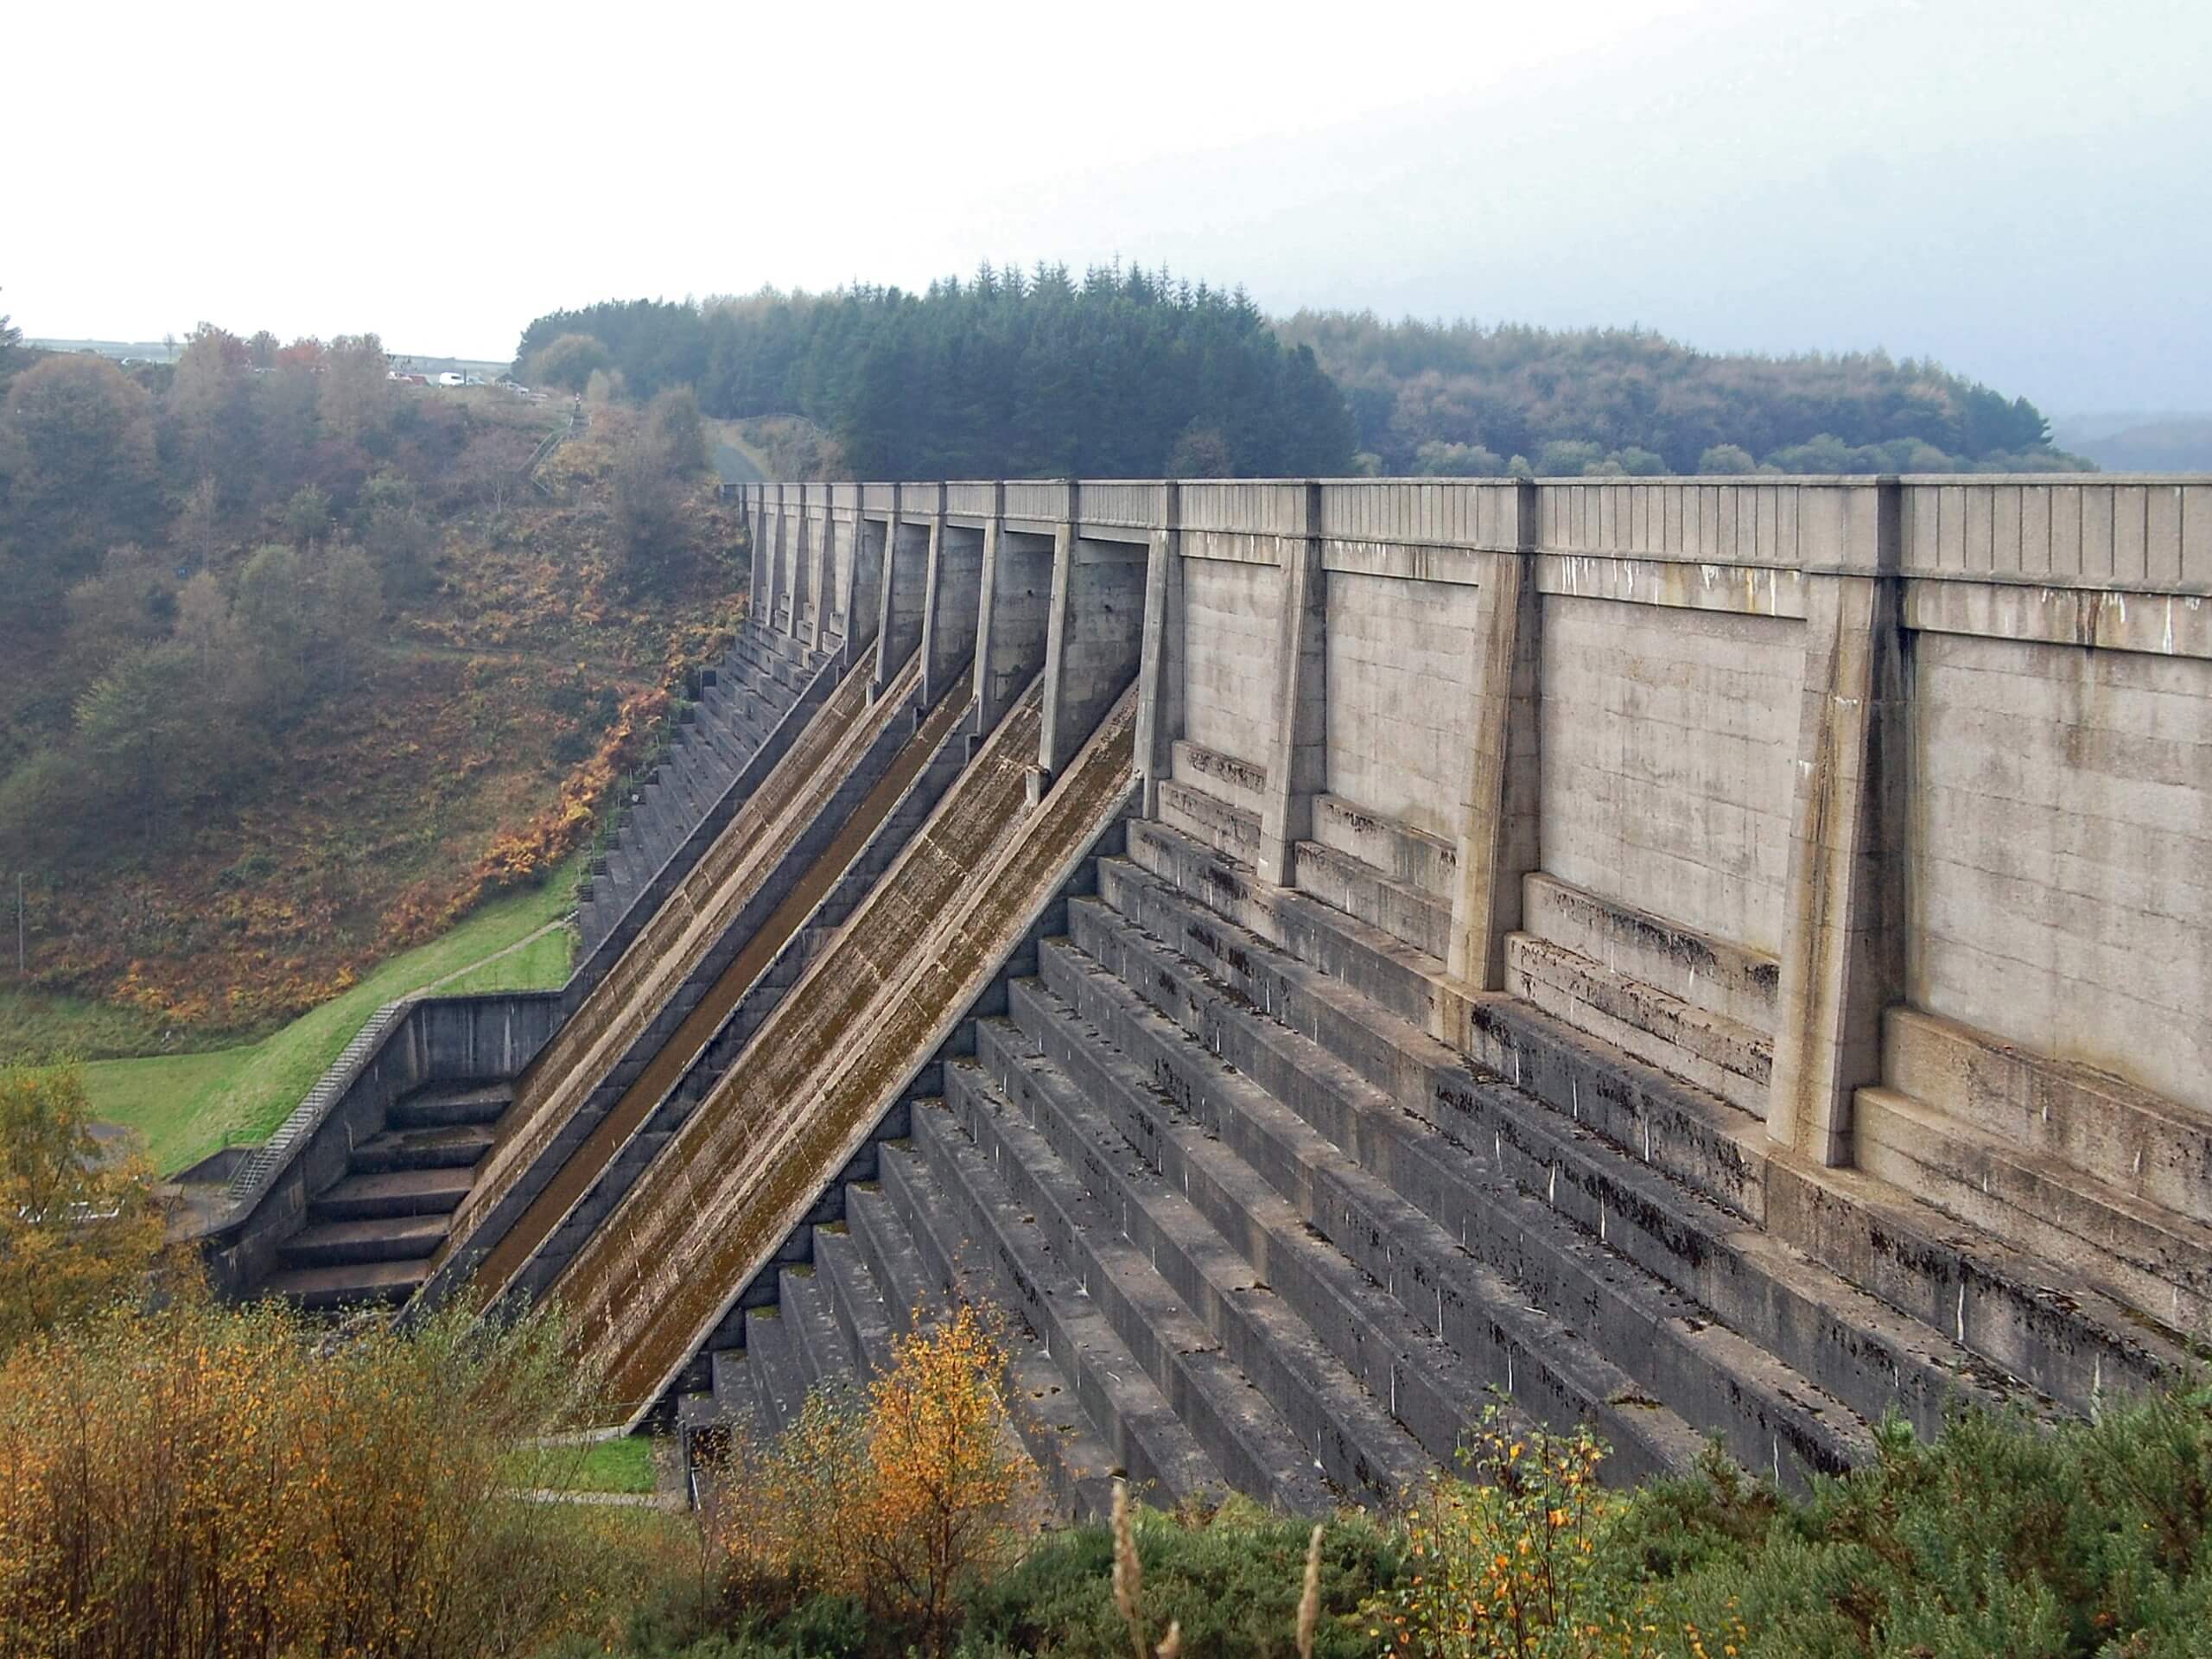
<point x="1724" y="771"/>
<point x="1702" y="956"/>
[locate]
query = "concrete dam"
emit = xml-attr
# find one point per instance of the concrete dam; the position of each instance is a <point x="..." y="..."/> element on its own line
<point x="1699" y="957"/>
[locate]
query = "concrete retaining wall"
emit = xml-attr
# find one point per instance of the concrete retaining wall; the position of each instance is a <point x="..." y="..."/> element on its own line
<point x="434" y="1039"/>
<point x="2060" y="880"/>
<point x="1669" y="740"/>
<point x="1777" y="755"/>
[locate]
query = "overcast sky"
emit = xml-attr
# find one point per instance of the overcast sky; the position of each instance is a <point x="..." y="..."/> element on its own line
<point x="2022" y="190"/>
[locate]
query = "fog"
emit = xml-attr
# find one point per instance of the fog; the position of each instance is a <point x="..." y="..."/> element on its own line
<point x="2019" y="190"/>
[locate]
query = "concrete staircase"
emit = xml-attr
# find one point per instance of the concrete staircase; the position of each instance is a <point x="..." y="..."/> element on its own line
<point x="741" y="701"/>
<point x="1258" y="1228"/>
<point x="369" y="1238"/>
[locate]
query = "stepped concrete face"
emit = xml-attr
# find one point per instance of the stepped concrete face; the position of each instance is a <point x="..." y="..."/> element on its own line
<point x="1696" y="957"/>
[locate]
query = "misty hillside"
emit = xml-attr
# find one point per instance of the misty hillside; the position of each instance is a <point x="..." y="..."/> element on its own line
<point x="1125" y="372"/>
<point x="2143" y="442"/>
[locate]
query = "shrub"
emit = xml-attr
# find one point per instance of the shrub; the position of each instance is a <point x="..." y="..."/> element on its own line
<point x="1517" y="1563"/>
<point x="204" y="1482"/>
<point x="79" y="1229"/>
<point x="1228" y="1582"/>
<point x="897" y="1501"/>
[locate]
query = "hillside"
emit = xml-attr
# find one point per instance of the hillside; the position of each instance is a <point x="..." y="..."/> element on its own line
<point x="304" y="668"/>
<point x="2173" y="443"/>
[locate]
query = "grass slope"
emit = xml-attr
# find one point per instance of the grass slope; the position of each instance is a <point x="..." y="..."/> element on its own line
<point x="189" y="1105"/>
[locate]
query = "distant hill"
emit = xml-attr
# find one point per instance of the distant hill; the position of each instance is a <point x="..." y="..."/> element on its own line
<point x="2141" y="441"/>
<point x="1469" y="399"/>
<point x="1127" y="373"/>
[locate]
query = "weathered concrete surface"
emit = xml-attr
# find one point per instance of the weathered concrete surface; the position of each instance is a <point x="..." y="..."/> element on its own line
<point x="665" y="1267"/>
<point x="2061" y="852"/>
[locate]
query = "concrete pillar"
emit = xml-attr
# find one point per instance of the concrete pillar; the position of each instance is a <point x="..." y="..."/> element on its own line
<point x="1843" y="931"/>
<point x="772" y="561"/>
<point x="906" y="559"/>
<point x="823" y="538"/>
<point x="1159" y="682"/>
<point x="1051" y="755"/>
<point x="1298" y="760"/>
<point x="801" y="549"/>
<point x="1015" y="609"/>
<point x="1093" y="636"/>
<point x="864" y="585"/>
<point x="1500" y="819"/>
<point x="950" y="616"/>
<point x="756" y="537"/>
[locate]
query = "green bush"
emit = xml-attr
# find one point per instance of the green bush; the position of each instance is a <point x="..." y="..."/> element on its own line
<point x="1231" y="1580"/>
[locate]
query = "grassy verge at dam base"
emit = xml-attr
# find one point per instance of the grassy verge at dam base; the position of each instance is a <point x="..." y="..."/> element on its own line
<point x="189" y="1105"/>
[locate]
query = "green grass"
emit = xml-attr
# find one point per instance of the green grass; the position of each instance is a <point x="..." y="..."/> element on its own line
<point x="37" y="1026"/>
<point x="544" y="962"/>
<point x="188" y="1106"/>
<point x="618" y="1465"/>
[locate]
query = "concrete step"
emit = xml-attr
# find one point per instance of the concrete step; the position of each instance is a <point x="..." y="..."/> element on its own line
<point x="2155" y="1259"/>
<point x="1968" y="1315"/>
<point x="881" y="1291"/>
<point x="1343" y="1429"/>
<point x="731" y="1389"/>
<point x="779" y="1378"/>
<point x="359" y="1284"/>
<point x="402" y="1193"/>
<point x="455" y="1147"/>
<point x="1357" y="888"/>
<point x="1499" y="1170"/>
<point x="1074" y="1367"/>
<point x="379" y="1238"/>
<point x="863" y="1316"/>
<point x="441" y="1105"/>
<point x="1521" y="1296"/>
<point x="1053" y="1220"/>
<point x="824" y="1355"/>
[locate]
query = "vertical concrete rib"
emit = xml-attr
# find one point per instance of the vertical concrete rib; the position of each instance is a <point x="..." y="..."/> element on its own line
<point x="1052" y="749"/>
<point x="1298" y="749"/>
<point x="1842" y="958"/>
<point x="1500" y="818"/>
<point x="1160" y="671"/>
<point x="802" y="560"/>
<point x="950" y="612"/>
<point x="864" y="584"/>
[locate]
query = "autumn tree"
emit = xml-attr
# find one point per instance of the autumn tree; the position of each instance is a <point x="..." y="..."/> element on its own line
<point x="568" y="362"/>
<point x="354" y="396"/>
<point x="896" y="1499"/>
<point x="397" y="533"/>
<point x="197" y="530"/>
<point x="79" y="1229"/>
<point x="199" y="1482"/>
<point x="84" y="466"/>
<point x="208" y="409"/>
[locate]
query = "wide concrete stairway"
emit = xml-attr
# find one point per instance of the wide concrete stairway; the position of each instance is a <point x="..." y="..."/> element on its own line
<point x="741" y="701"/>
<point x="369" y="1238"/>
<point x="1258" y="1228"/>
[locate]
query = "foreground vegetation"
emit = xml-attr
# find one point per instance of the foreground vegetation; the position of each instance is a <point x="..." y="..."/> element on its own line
<point x="180" y="1478"/>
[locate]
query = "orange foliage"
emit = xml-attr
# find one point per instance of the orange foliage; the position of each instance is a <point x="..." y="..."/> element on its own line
<point x="894" y="1502"/>
<point x="220" y="1483"/>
